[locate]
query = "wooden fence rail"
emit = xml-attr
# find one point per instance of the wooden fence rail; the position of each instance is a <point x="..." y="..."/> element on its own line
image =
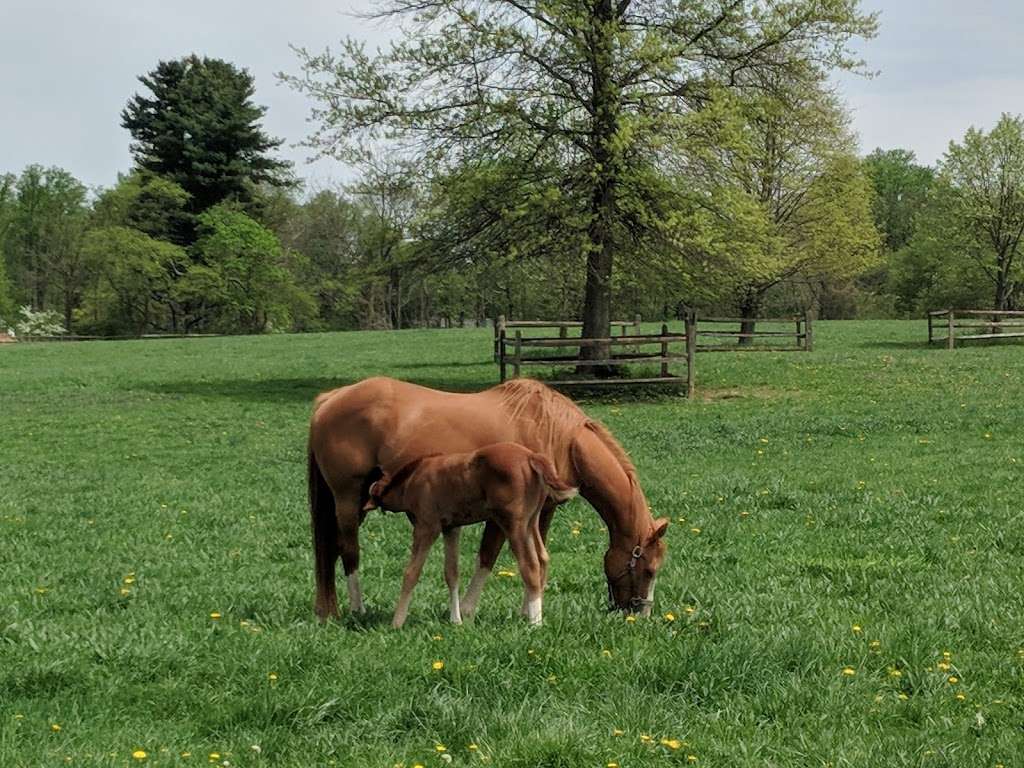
<point x="663" y="349"/>
<point x="802" y="334"/>
<point x="562" y="326"/>
<point x="952" y="320"/>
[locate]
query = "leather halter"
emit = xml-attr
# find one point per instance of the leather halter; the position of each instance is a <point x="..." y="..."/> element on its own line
<point x="635" y="602"/>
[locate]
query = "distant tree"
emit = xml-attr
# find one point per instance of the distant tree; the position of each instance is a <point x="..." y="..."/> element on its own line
<point x="46" y="218"/>
<point x="134" y="281"/>
<point x="983" y="203"/>
<point x="145" y="202"/>
<point x="199" y="128"/>
<point x="901" y="191"/>
<point x="783" y="196"/>
<point x="7" y="207"/>
<point x="582" y="101"/>
<point x="238" y="280"/>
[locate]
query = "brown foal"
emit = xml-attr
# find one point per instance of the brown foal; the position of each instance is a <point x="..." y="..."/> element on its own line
<point x="505" y="483"/>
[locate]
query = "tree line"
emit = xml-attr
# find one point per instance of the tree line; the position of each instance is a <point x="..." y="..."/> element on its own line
<point x="532" y="161"/>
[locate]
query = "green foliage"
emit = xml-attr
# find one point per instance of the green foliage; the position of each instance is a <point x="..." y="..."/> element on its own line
<point x="984" y="177"/>
<point x="135" y="285"/>
<point x="582" y="104"/>
<point x="151" y="204"/>
<point x="238" y="279"/>
<point x="817" y="483"/>
<point x="198" y="127"/>
<point x="901" y="192"/>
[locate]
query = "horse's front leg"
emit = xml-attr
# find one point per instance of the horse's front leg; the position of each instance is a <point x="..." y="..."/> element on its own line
<point x="422" y="538"/>
<point x="451" y="573"/>
<point x="490" y="547"/>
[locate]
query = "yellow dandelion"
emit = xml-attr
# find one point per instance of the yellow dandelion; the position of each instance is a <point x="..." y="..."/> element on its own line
<point x="856" y="629"/>
<point x="611" y="765"/>
<point x="671" y="743"/>
<point x="695" y="530"/>
<point x="617" y="732"/>
<point x="630" y="618"/>
<point x="691" y="758"/>
<point x="506" y="573"/>
<point x="645" y="738"/>
<point x="849" y="671"/>
<point x="125" y="591"/>
<point x="186" y="755"/>
<point x="875" y="645"/>
<point x="943" y="665"/>
<point x="960" y="697"/>
<point x="55" y="727"/>
<point x="690" y="610"/>
<point x="129" y="579"/>
<point x="215" y="615"/>
<point x="893" y="672"/>
<point x="953" y="679"/>
<point x="575" y="531"/>
<point x="606" y="653"/>
<point x="139" y="754"/>
<point x="215" y="755"/>
<point x="272" y="677"/>
<point x="418" y="765"/>
<point x="903" y="697"/>
<point x="437" y="666"/>
<point x="472" y="747"/>
<point x="437" y="637"/>
<point x="670" y="616"/>
<point x="440" y="748"/>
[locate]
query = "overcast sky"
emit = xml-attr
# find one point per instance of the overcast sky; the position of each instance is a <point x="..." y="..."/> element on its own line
<point x="69" y="66"/>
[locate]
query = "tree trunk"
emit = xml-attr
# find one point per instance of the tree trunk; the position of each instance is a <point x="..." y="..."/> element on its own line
<point x="1003" y="288"/>
<point x="597" y="298"/>
<point x="749" y="308"/>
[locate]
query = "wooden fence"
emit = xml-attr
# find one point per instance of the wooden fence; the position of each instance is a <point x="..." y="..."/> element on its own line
<point x="761" y="339"/>
<point x="562" y="326"/>
<point x="663" y="349"/>
<point x="950" y="321"/>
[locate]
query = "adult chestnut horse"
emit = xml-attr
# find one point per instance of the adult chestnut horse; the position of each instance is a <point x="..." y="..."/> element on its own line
<point x="380" y="424"/>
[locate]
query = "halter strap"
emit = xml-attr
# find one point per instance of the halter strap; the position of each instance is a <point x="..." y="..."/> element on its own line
<point x="634" y="602"/>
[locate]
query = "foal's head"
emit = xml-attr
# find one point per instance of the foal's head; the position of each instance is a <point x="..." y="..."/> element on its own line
<point x="631" y="571"/>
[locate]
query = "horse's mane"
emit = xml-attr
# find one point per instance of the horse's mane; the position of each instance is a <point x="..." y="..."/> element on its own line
<point x="535" y="402"/>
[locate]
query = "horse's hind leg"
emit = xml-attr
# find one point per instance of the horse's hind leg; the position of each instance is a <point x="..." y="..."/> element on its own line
<point x="349" y="517"/>
<point x="490" y="547"/>
<point x="451" y="573"/>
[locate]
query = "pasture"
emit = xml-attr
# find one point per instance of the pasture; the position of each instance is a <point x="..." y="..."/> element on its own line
<point x="843" y="584"/>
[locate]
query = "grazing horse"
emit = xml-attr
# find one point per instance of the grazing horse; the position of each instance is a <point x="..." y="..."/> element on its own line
<point x="503" y="483"/>
<point x="381" y="424"/>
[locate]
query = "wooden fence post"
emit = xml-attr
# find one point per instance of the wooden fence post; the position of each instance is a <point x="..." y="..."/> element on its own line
<point x="951" y="341"/>
<point x="808" y="332"/>
<point x="563" y="332"/>
<point x="501" y="355"/>
<point x="499" y="332"/>
<point x="691" y="349"/>
<point x="637" y="319"/>
<point x="930" y="335"/>
<point x="518" y="359"/>
<point x="664" y="350"/>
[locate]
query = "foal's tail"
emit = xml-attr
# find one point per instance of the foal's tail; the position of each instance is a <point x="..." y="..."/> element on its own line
<point x="556" y="488"/>
<point x="325" y="538"/>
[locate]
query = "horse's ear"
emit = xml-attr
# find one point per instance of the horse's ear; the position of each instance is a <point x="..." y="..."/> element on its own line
<point x="374" y="493"/>
<point x="660" y="526"/>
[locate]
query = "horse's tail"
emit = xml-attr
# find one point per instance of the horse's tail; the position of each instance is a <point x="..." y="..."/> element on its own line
<point x="556" y="488"/>
<point x="325" y="538"/>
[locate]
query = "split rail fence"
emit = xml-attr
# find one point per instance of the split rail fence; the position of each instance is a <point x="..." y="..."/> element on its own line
<point x="514" y="351"/>
<point x="980" y="324"/>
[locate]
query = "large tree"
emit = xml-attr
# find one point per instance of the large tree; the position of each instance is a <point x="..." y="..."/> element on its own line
<point x="901" y="192"/>
<point x="590" y="91"/>
<point x="199" y="128"/>
<point x="983" y="195"/>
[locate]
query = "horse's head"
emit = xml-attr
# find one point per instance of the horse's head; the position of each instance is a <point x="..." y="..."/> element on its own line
<point x="631" y="570"/>
<point x="380" y="493"/>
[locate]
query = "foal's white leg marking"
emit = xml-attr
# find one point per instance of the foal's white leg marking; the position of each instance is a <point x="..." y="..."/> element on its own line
<point x="453" y="605"/>
<point x="476" y="586"/>
<point x="355" y="593"/>
<point x="533" y="610"/>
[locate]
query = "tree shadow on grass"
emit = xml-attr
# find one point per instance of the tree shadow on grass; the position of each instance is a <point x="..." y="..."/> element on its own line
<point x="292" y="390"/>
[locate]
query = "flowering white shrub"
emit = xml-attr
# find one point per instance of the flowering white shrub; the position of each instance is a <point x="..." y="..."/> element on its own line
<point x="34" y="324"/>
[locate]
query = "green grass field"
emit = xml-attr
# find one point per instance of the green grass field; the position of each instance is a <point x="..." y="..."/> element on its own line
<point x="843" y="587"/>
